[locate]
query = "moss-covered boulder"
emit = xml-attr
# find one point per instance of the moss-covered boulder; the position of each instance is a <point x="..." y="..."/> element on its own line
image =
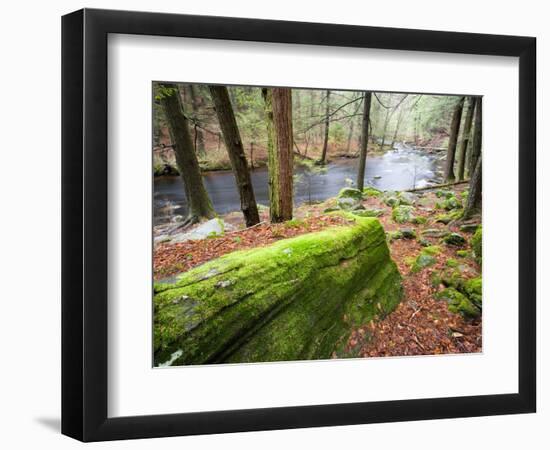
<point x="454" y="239"/>
<point x="476" y="245"/>
<point x="459" y="303"/>
<point x="371" y="192"/>
<point x="368" y="212"/>
<point x="452" y="203"/>
<point x="473" y="290"/>
<point x="296" y="299"/>
<point x="444" y="194"/>
<point x="403" y="214"/>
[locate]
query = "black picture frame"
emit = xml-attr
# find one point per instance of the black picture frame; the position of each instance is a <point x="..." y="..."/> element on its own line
<point x="84" y="224"/>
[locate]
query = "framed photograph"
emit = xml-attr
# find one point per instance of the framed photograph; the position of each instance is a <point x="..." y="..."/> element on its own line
<point x="273" y="225"/>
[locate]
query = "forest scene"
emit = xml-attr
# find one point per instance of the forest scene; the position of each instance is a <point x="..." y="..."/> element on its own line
<point x="307" y="224"/>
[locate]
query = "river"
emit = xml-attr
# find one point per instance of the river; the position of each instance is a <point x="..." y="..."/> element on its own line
<point x="398" y="169"/>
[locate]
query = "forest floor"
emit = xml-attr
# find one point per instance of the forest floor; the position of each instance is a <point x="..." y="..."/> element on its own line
<point x="420" y="325"/>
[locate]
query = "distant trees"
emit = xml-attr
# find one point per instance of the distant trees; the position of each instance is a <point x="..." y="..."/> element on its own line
<point x="186" y="158"/>
<point x="453" y="138"/>
<point x="199" y="137"/>
<point x="235" y="150"/>
<point x="364" y="140"/>
<point x="278" y="107"/>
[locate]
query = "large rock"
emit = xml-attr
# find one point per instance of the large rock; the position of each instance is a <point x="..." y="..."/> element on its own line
<point x="210" y="228"/>
<point x="349" y="199"/>
<point x="296" y="299"/>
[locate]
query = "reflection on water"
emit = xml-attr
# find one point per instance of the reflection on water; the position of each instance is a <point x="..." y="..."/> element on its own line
<point x="399" y="169"/>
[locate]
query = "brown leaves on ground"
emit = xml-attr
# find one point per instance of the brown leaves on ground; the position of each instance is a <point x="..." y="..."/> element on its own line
<point x="420" y="325"/>
<point x="169" y="259"/>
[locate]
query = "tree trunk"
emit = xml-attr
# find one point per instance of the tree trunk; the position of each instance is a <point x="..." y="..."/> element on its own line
<point x="350" y="135"/>
<point x="453" y="137"/>
<point x="473" y="203"/>
<point x="235" y="150"/>
<point x="323" y="159"/>
<point x="386" y="120"/>
<point x="465" y="139"/>
<point x="199" y="137"/>
<point x="278" y="105"/>
<point x="476" y="140"/>
<point x="186" y="158"/>
<point x="364" y="141"/>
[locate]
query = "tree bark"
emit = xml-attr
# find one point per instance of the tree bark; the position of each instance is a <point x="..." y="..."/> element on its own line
<point x="186" y="158"/>
<point x="476" y="140"/>
<point x="453" y="138"/>
<point x="278" y="105"/>
<point x="465" y="139"/>
<point x="364" y="141"/>
<point x="235" y="150"/>
<point x="473" y="203"/>
<point x="323" y="159"/>
<point x="199" y="137"/>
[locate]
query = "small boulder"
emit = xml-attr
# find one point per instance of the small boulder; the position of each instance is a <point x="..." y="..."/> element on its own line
<point x="452" y="203"/>
<point x="368" y="212"/>
<point x="469" y="227"/>
<point x="403" y="214"/>
<point x="408" y="233"/>
<point x="459" y="303"/>
<point x="454" y="239"/>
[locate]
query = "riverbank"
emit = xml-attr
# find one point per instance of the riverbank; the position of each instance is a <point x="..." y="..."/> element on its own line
<point x="441" y="309"/>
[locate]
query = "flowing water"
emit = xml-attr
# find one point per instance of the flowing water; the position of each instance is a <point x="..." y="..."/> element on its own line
<point x="398" y="169"/>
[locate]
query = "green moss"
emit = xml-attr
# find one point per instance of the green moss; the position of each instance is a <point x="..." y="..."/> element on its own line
<point x="473" y="290"/>
<point x="444" y="194"/>
<point x="295" y="299"/>
<point x="403" y="213"/>
<point x="408" y="233"/>
<point x="356" y="194"/>
<point x="368" y="212"/>
<point x="477" y="244"/>
<point x="419" y="220"/>
<point x="454" y="239"/>
<point x="451" y="203"/>
<point x="451" y="262"/>
<point x="448" y="218"/>
<point x="458" y="303"/>
<point x="371" y="192"/>
<point x="432" y="250"/>
<point x="453" y="278"/>
<point x="392" y="201"/>
<point x="394" y="235"/>
<point x="425" y="259"/>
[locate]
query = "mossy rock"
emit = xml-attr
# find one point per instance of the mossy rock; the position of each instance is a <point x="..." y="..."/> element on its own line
<point x="462" y="253"/>
<point x="419" y="220"/>
<point x="432" y="250"/>
<point x="296" y="299"/>
<point x="469" y="227"/>
<point x="434" y="233"/>
<point x="408" y="233"/>
<point x="477" y="244"/>
<point x="407" y="198"/>
<point x="425" y="259"/>
<point x="444" y="193"/>
<point x="453" y="278"/>
<point x="453" y="263"/>
<point x="454" y="239"/>
<point x="403" y="214"/>
<point x="473" y="289"/>
<point x="368" y="212"/>
<point x="331" y="209"/>
<point x="448" y="218"/>
<point x="371" y="192"/>
<point x="451" y="203"/>
<point x="459" y="303"/>
<point x="350" y="193"/>
<point x="392" y="201"/>
<point x="394" y="235"/>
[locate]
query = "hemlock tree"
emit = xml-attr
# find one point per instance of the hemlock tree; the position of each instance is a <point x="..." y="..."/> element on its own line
<point x="453" y="137"/>
<point x="465" y="139"/>
<point x="476" y="139"/>
<point x="235" y="150"/>
<point x="323" y="159"/>
<point x="473" y="203"/>
<point x="278" y="106"/>
<point x="199" y="138"/>
<point x="364" y="141"/>
<point x="186" y="158"/>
